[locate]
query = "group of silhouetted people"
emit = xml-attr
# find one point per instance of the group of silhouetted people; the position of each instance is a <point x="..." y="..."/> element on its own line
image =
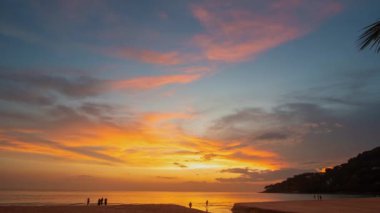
<point x="317" y="197"/>
<point x="101" y="201"/>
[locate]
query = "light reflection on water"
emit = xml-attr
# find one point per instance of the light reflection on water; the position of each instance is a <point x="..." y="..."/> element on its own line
<point x="219" y="202"/>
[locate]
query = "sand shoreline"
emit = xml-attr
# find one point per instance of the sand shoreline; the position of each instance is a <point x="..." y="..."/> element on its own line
<point x="348" y="205"/>
<point x="125" y="208"/>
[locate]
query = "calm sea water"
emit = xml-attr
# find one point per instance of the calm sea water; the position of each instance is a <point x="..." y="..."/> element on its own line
<point x="219" y="202"/>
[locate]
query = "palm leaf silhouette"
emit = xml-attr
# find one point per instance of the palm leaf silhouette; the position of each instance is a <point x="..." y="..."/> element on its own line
<point x="371" y="37"/>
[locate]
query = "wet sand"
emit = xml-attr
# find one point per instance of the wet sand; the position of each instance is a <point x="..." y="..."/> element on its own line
<point x="349" y="205"/>
<point x="143" y="208"/>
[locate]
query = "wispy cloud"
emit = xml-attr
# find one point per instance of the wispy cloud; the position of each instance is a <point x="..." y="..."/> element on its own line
<point x="252" y="175"/>
<point x="38" y="88"/>
<point x="151" y="82"/>
<point x="34" y="143"/>
<point x="180" y="165"/>
<point x="242" y="31"/>
<point x="96" y="132"/>
<point x="259" y="138"/>
<point x="299" y="130"/>
<point x="147" y="56"/>
<point x="159" y="116"/>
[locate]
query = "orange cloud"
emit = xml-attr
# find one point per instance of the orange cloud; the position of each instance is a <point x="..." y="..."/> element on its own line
<point x="158" y="117"/>
<point x="140" y="143"/>
<point x="238" y="34"/>
<point x="147" y="56"/>
<point x="150" y="82"/>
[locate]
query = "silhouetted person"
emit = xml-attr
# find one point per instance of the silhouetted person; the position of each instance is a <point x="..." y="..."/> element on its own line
<point x="105" y="201"/>
<point x="320" y="197"/>
<point x="206" y="205"/>
<point x="101" y="201"/>
<point x="88" y="201"/>
<point x="190" y="205"/>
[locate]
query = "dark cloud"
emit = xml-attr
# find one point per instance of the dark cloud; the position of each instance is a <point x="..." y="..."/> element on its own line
<point x="180" y="165"/>
<point x="283" y="123"/>
<point x="246" y="157"/>
<point x="272" y="136"/>
<point x="103" y="112"/>
<point x="302" y="131"/>
<point x="233" y="147"/>
<point x="57" y="116"/>
<point x="41" y="88"/>
<point x="301" y="110"/>
<point x="96" y="108"/>
<point x="340" y="101"/>
<point x="209" y="156"/>
<point x="16" y="93"/>
<point x="344" y="121"/>
<point x="166" y="177"/>
<point x="9" y="115"/>
<point x="236" y="170"/>
<point x="241" y="116"/>
<point x="353" y="89"/>
<point x="89" y="152"/>
<point x="63" y="112"/>
<point x="251" y="175"/>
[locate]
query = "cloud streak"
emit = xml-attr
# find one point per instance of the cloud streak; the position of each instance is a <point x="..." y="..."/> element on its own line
<point x="147" y="56"/>
<point x="152" y="82"/>
<point x="36" y="87"/>
<point x="32" y="142"/>
<point x="39" y="88"/>
<point x="180" y="165"/>
<point x="252" y="175"/>
<point x="242" y="31"/>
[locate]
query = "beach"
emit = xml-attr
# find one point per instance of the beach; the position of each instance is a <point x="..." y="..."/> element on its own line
<point x="346" y="205"/>
<point x="350" y="205"/>
<point x="219" y="202"/>
<point x="140" y="208"/>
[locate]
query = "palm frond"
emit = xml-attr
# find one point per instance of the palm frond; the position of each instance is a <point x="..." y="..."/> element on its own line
<point x="370" y="37"/>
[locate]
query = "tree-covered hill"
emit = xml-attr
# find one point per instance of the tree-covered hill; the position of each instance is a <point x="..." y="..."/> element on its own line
<point x="360" y="174"/>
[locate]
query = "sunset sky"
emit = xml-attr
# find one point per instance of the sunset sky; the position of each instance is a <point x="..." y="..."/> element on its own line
<point x="182" y="95"/>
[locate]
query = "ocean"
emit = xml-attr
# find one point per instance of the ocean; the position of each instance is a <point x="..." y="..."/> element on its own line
<point x="219" y="202"/>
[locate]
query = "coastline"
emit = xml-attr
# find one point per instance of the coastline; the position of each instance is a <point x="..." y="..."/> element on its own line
<point x="127" y="208"/>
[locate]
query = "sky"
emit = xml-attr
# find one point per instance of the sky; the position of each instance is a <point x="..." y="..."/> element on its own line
<point x="182" y="95"/>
